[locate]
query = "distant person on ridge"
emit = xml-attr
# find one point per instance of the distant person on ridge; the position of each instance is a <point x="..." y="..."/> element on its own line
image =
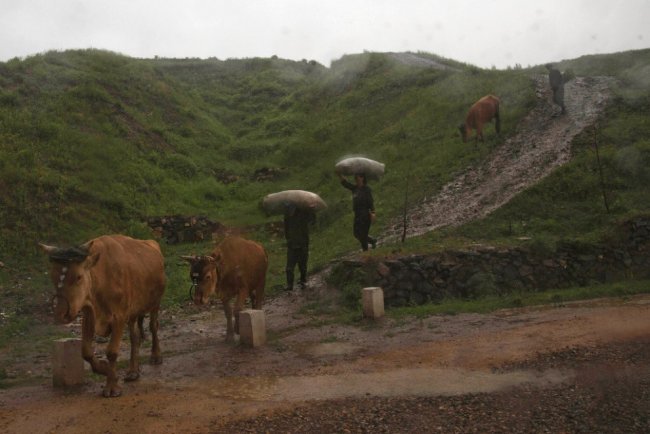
<point x="364" y="209"/>
<point x="557" y="85"/>
<point x="296" y="232"/>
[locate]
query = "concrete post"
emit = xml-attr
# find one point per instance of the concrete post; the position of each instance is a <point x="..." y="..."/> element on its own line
<point x="67" y="363"/>
<point x="373" y="302"/>
<point x="252" y="327"/>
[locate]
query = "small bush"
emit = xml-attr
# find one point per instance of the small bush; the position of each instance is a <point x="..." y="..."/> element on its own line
<point x="180" y="165"/>
<point x="481" y="284"/>
<point x="349" y="282"/>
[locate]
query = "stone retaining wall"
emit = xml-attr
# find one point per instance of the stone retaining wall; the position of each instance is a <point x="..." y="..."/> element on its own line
<point x="176" y="229"/>
<point x="419" y="279"/>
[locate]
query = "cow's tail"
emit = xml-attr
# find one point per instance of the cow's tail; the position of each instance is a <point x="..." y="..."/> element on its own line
<point x="497" y="118"/>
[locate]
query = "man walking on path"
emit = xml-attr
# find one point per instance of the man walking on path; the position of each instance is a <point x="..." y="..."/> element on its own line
<point x="296" y="232"/>
<point x="557" y="85"/>
<point x="364" y="209"/>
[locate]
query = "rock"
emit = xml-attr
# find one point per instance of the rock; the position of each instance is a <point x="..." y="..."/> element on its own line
<point x="383" y="270"/>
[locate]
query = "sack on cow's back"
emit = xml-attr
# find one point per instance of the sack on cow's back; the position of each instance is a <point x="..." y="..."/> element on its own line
<point x="277" y="203"/>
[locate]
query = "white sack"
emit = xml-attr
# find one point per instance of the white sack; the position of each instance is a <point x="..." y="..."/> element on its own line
<point x="276" y="203"/>
<point x="353" y="165"/>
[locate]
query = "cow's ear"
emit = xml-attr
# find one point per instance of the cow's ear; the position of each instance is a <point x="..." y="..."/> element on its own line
<point x="91" y="260"/>
<point x="216" y="257"/>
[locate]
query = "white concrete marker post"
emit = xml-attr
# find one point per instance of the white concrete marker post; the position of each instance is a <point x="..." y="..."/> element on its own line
<point x="252" y="327"/>
<point x="67" y="363"/>
<point x="373" y="302"/>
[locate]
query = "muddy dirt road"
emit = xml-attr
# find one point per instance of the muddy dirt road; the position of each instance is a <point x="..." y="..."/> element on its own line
<point x="385" y="376"/>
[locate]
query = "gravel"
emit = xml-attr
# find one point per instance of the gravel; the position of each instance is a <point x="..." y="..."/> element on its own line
<point x="610" y="393"/>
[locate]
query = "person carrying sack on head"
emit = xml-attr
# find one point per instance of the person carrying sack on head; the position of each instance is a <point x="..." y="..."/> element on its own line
<point x="364" y="209"/>
<point x="296" y="232"/>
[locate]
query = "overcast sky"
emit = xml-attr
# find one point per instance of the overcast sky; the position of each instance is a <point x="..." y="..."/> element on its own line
<point x="485" y="33"/>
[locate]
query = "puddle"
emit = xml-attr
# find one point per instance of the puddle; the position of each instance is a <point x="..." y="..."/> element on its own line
<point x="401" y="382"/>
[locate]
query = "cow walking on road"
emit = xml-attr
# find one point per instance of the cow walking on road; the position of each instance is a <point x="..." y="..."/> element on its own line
<point x="236" y="268"/>
<point x="113" y="281"/>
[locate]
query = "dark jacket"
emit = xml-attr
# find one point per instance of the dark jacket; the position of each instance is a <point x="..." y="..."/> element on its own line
<point x="555" y="78"/>
<point x="296" y="228"/>
<point x="362" y="201"/>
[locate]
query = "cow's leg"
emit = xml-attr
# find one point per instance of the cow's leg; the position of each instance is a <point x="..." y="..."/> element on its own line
<point x="156" y="357"/>
<point x="87" y="338"/>
<point x="239" y="305"/>
<point x="112" y="389"/>
<point x="100" y="367"/>
<point x="253" y="297"/>
<point x="259" y="297"/>
<point x="143" y="335"/>
<point x="227" y="309"/>
<point x="479" y="133"/>
<point x="134" y="336"/>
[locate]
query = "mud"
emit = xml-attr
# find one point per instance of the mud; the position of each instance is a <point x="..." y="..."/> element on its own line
<point x="204" y="381"/>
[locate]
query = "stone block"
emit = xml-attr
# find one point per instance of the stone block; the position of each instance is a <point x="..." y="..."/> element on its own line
<point x="67" y="363"/>
<point x="252" y="327"/>
<point x="373" y="302"/>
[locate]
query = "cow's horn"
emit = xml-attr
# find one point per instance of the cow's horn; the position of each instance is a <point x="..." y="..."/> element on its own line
<point x="48" y="249"/>
<point x="86" y="246"/>
<point x="188" y="258"/>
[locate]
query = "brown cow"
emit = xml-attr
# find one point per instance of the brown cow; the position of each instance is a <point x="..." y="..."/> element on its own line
<point x="113" y="281"/>
<point x="235" y="268"/>
<point x="482" y="111"/>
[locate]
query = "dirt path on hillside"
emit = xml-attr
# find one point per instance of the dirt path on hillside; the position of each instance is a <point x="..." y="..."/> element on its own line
<point x="541" y="142"/>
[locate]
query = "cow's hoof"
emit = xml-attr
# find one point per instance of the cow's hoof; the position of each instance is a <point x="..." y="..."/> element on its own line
<point x="132" y="376"/>
<point x="155" y="360"/>
<point x="112" y="392"/>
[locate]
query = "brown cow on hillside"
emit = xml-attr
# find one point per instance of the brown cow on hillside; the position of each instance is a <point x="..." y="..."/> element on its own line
<point x="482" y="111"/>
<point x="113" y="281"/>
<point x="236" y="268"/>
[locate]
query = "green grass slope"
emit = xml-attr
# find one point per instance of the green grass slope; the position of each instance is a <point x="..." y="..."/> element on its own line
<point x="93" y="142"/>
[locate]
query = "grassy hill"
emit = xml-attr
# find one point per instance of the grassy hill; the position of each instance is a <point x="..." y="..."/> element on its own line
<point x="569" y="204"/>
<point x="92" y="142"/>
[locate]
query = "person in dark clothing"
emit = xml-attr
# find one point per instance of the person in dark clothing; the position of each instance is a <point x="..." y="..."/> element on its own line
<point x="296" y="232"/>
<point x="557" y="85"/>
<point x="364" y="209"/>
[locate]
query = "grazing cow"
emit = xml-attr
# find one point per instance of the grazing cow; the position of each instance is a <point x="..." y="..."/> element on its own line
<point x="113" y="281"/>
<point x="236" y="268"/>
<point x="482" y="111"/>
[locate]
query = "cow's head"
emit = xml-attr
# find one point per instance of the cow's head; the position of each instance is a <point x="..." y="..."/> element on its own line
<point x="204" y="275"/>
<point x="70" y="274"/>
<point x="463" y="132"/>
